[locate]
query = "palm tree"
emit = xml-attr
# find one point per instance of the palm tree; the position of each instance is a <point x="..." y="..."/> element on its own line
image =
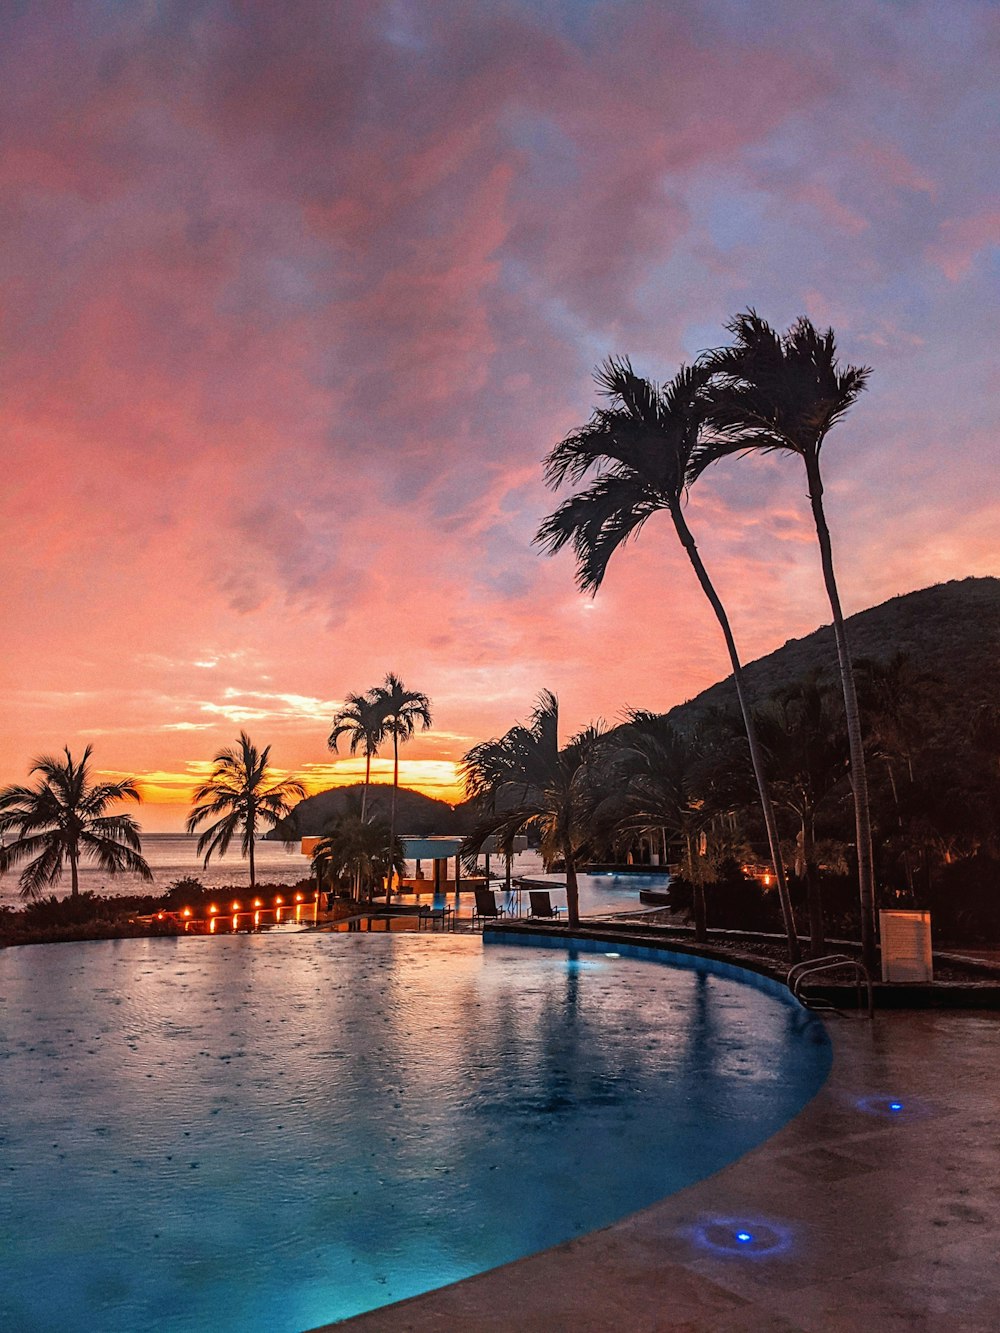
<point x="661" y="771"/>
<point x="358" y="852"/>
<point x="63" y="818"/>
<point x="644" y="446"/>
<point x="785" y="392"/>
<point x="525" y="782"/>
<point x="362" y="721"/>
<point x="239" y="790"/>
<point x="802" y="734"/>
<point x="400" y="710"/>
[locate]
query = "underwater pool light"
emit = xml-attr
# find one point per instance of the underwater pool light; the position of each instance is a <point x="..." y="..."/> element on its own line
<point x="895" y="1106"/>
<point x="744" y="1237"/>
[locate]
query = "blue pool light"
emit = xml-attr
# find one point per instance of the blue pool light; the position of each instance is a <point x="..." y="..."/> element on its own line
<point x="758" y="1239"/>
<point x="891" y="1107"/>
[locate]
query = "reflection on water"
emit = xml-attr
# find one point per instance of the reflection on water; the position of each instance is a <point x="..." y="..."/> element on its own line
<point x="267" y="1133"/>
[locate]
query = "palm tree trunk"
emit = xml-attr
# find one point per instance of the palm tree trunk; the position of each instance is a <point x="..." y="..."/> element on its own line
<point x="756" y="758"/>
<point x="253" y="873"/>
<point x="859" y="777"/>
<point x="364" y="790"/>
<point x="392" y="819"/>
<point x="572" y="890"/>
<point x="697" y="895"/>
<point x="814" y="898"/>
<point x="74" y="874"/>
<point x="364" y="804"/>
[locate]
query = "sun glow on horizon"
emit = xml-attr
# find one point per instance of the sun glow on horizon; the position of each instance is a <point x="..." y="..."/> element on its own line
<point x="167" y="797"/>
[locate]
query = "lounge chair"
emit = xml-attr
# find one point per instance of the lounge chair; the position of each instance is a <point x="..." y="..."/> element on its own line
<point x="540" y="905"/>
<point x="487" y="908"/>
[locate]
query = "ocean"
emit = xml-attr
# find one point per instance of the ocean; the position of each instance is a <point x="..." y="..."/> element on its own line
<point x="173" y="856"/>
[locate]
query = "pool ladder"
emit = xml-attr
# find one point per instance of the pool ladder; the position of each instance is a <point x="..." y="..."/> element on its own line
<point x="802" y="973"/>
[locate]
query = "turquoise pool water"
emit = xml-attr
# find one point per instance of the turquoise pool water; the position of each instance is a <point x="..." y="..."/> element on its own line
<point x="271" y="1132"/>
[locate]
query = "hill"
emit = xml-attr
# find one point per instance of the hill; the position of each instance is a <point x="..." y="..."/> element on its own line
<point x="415" y="813"/>
<point x="951" y="630"/>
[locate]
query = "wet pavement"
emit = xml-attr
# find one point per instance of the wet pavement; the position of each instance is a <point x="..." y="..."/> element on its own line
<point x="876" y="1208"/>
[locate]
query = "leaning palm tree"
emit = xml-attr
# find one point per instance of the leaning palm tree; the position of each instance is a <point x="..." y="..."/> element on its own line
<point x="362" y="721"/>
<point x="400" y="710"/>
<point x="61" y="819"/>
<point x="644" y="448"/>
<point x="240" y="792"/>
<point x="524" y="782"/>
<point x="785" y="392"/>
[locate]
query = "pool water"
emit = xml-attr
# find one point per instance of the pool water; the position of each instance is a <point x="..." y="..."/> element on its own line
<point x="273" y="1132"/>
<point x="605" y="891"/>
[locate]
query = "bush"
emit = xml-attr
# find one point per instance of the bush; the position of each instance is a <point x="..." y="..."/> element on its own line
<point x="964" y="901"/>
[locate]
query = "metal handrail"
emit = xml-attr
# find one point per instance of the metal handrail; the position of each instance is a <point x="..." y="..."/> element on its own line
<point x="812" y="967"/>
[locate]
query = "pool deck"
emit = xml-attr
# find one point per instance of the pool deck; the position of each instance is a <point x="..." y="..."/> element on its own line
<point x="862" y="1218"/>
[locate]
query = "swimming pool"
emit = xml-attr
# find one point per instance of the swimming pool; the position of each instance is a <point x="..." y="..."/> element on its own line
<point x="269" y="1133"/>
<point x="604" y="891"/>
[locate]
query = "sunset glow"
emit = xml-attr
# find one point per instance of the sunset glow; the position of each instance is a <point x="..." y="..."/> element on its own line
<point x="298" y="296"/>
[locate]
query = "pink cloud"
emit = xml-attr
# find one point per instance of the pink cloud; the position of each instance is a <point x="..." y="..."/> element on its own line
<point x="297" y="298"/>
<point x="962" y="240"/>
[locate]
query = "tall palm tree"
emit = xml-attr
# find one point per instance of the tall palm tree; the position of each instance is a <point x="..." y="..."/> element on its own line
<point x="361" y="720"/>
<point x="524" y="782"/>
<point x="61" y="819"/>
<point x="400" y="710"/>
<point x="240" y="791"/>
<point x="644" y="447"/>
<point x="785" y="392"/>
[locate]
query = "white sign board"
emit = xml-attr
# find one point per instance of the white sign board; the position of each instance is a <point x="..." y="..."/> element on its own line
<point x="906" y="946"/>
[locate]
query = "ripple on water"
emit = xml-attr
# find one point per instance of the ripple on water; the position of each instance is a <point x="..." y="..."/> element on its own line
<point x="350" y="1120"/>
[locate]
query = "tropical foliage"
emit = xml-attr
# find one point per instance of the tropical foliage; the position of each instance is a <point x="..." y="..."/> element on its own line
<point x="524" y="782"/>
<point x="784" y="393"/>
<point x="644" y="448"/>
<point x="64" y="818"/>
<point x="400" y="710"/>
<point x="358" y="854"/>
<point x="363" y="722"/>
<point x="240" y="791"/>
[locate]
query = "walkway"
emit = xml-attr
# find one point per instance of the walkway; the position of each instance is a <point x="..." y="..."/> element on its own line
<point x="862" y="1217"/>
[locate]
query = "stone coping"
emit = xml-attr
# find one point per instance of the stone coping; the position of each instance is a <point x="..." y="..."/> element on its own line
<point x="980" y="994"/>
<point x="863" y="1217"/>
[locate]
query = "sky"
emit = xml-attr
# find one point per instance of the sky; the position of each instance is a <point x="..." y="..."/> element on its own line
<point x="296" y="298"/>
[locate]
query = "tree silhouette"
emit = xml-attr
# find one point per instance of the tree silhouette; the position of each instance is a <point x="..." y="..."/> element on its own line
<point x="362" y="721"/>
<point x="239" y="790"/>
<point x="62" y="819"/>
<point x="524" y="782"/>
<point x="644" y="448"/>
<point x="785" y="392"/>
<point x="400" y="710"/>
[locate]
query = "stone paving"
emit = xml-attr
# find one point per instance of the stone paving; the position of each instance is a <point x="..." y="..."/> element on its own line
<point x="861" y="1217"/>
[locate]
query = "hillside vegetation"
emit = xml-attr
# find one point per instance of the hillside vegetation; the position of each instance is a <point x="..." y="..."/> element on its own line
<point x="951" y="630"/>
<point x="416" y="814"/>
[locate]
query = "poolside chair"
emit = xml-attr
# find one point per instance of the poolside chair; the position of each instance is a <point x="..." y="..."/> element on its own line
<point x="487" y="908"/>
<point x="540" y="905"/>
